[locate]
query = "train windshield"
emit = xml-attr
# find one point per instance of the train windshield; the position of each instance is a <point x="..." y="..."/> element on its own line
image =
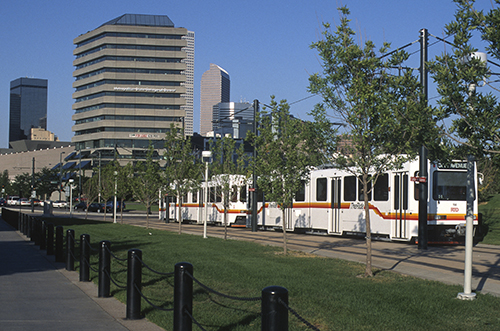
<point x="449" y="185"/>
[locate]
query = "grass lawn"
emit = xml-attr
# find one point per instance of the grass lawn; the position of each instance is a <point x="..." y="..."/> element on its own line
<point x="326" y="292"/>
<point x="137" y="206"/>
<point x="491" y="219"/>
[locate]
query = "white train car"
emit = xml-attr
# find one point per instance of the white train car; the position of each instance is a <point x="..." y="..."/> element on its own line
<point x="332" y="203"/>
<point x="196" y="209"/>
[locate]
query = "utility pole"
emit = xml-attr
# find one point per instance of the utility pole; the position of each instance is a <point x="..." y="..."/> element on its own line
<point x="33" y="186"/>
<point x="254" y="175"/>
<point x="423" y="184"/>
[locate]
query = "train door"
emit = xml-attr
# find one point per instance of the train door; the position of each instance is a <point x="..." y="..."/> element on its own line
<point x="289" y="219"/>
<point x="401" y="205"/>
<point x="334" y="224"/>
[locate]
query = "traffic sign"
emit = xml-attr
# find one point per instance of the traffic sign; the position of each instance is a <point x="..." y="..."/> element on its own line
<point x="419" y="179"/>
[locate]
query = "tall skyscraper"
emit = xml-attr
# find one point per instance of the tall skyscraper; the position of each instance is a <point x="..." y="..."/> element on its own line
<point x="28" y="107"/>
<point x="189" y="84"/>
<point x="214" y="89"/>
<point x="130" y="76"/>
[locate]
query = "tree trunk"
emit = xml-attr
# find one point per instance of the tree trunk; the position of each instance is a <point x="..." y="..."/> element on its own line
<point x="225" y="218"/>
<point x="147" y="215"/>
<point x="121" y="211"/>
<point x="180" y="213"/>
<point x="368" y="270"/>
<point x="284" y="232"/>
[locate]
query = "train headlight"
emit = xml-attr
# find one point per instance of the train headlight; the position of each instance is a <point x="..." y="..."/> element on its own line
<point x="440" y="217"/>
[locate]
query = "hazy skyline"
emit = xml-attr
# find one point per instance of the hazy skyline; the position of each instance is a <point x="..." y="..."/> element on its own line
<point x="264" y="45"/>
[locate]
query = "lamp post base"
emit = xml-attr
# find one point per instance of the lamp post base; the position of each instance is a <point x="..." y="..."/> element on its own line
<point x="466" y="296"/>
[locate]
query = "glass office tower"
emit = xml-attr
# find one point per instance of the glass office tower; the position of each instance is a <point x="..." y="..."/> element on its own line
<point x="28" y="107"/>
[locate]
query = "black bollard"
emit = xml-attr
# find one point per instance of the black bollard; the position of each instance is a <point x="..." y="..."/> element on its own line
<point x="85" y="258"/>
<point x="183" y="296"/>
<point x="70" y="250"/>
<point x="43" y="236"/>
<point x="50" y="239"/>
<point x="37" y="229"/>
<point x="104" y="269"/>
<point x="134" y="284"/>
<point x="33" y="228"/>
<point x="25" y="221"/>
<point x="29" y="227"/>
<point x="274" y="315"/>
<point x="59" y="244"/>
<point x="23" y="224"/>
<point x="19" y="223"/>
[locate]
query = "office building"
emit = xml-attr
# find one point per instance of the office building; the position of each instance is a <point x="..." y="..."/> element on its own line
<point x="232" y="118"/>
<point x="130" y="83"/>
<point x="189" y="84"/>
<point x="214" y="89"/>
<point x="28" y="107"/>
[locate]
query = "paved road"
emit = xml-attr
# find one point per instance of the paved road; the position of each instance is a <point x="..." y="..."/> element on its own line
<point x="38" y="294"/>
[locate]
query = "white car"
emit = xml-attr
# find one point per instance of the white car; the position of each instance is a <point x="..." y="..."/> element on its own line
<point x="13" y="201"/>
<point x="60" y="204"/>
<point x="24" y="202"/>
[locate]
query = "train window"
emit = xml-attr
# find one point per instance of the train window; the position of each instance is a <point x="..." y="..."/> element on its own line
<point x="360" y="190"/>
<point x="260" y="195"/>
<point x="401" y="192"/>
<point x="350" y="188"/>
<point x="211" y="194"/>
<point x="201" y="196"/>
<point x="381" y="188"/>
<point x="449" y="185"/>
<point x="243" y="194"/>
<point x="234" y="193"/>
<point x="185" y="197"/>
<point x="301" y="193"/>
<point x="321" y="189"/>
<point x="218" y="194"/>
<point x="194" y="194"/>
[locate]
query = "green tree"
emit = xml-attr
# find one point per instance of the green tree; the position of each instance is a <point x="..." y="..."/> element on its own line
<point x="46" y="182"/>
<point x="384" y="117"/>
<point x="124" y="189"/>
<point x="5" y="182"/>
<point x="22" y="185"/>
<point x="227" y="161"/>
<point x="183" y="171"/>
<point x="146" y="181"/>
<point x="90" y="192"/>
<point x="284" y="157"/>
<point x="108" y="183"/>
<point x="462" y="81"/>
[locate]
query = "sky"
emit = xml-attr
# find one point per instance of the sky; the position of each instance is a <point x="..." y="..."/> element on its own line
<point x="264" y="45"/>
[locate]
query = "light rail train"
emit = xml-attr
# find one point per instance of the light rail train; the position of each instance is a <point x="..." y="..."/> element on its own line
<point x="331" y="202"/>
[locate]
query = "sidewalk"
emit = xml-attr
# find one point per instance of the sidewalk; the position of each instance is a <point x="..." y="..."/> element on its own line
<point x="38" y="294"/>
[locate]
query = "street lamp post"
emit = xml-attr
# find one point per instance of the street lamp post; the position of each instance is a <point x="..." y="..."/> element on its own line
<point x="206" y="155"/>
<point x="114" y="202"/>
<point x="60" y="173"/>
<point x="71" y="197"/>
